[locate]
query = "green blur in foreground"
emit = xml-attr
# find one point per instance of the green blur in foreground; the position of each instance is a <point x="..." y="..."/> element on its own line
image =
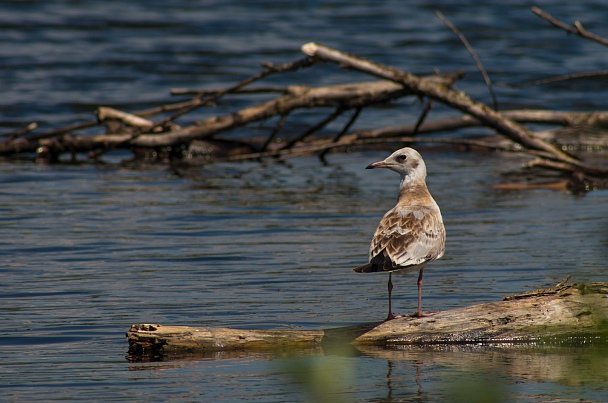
<point x="569" y="367"/>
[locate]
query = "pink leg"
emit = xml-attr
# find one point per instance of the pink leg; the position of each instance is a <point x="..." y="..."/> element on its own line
<point x="419" y="313"/>
<point x="390" y="291"/>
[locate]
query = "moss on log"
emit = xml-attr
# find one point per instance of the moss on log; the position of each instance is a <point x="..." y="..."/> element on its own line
<point x="568" y="310"/>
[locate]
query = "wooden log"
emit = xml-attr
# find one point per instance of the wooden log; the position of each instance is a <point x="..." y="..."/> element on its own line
<point x="186" y="338"/>
<point x="568" y="310"/>
<point x="564" y="311"/>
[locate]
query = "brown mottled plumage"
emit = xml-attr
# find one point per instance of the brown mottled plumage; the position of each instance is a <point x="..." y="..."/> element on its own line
<point x="411" y="234"/>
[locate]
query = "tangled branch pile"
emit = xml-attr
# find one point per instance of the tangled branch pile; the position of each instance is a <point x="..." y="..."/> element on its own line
<point x="165" y="139"/>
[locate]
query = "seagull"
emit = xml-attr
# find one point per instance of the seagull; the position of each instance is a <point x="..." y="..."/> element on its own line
<point x="411" y="234"/>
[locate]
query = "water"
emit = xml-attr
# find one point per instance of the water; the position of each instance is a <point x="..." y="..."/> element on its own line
<point x="87" y="250"/>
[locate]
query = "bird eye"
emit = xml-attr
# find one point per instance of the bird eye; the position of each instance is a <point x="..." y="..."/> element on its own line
<point x="402" y="157"/>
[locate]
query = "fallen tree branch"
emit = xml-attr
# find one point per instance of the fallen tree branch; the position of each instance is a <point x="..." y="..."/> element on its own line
<point x="536" y="317"/>
<point x="456" y="99"/>
<point x="168" y="141"/>
<point x="355" y="94"/>
<point x="441" y="93"/>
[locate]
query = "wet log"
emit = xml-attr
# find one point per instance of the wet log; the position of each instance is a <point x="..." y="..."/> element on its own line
<point x="566" y="311"/>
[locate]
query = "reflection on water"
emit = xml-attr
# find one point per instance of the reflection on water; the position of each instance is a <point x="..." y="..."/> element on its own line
<point x="455" y="373"/>
<point x="431" y="373"/>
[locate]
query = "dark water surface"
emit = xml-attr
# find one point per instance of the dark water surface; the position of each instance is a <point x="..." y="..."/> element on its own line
<point x="87" y="250"/>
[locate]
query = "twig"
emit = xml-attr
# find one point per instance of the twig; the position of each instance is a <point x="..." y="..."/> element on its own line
<point x="576" y="29"/>
<point x="330" y="118"/>
<point x="92" y="123"/>
<point x="478" y="63"/>
<point x="20" y="133"/>
<point x="175" y="106"/>
<point x="276" y="129"/>
<point x="427" y="108"/>
<point x="255" y="90"/>
<point x="268" y="69"/>
<point x="345" y="129"/>
<point x="544" y="163"/>
<point x="559" y="78"/>
<point x="64" y="130"/>
<point x="562" y="118"/>
<point x="181" y="107"/>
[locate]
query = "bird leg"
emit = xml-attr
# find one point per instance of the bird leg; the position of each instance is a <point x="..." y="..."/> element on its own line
<point x="390" y="291"/>
<point x="419" y="313"/>
<point x="419" y="310"/>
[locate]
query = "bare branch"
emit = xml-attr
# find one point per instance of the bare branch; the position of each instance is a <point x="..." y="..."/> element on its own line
<point x="478" y="63"/>
<point x="276" y="130"/>
<point x="427" y="108"/>
<point x="561" y="118"/>
<point x="556" y="79"/>
<point x="268" y="69"/>
<point x="63" y="130"/>
<point x="330" y="118"/>
<point x="348" y="125"/>
<point x="20" y="133"/>
<point x="134" y="131"/>
<point x="443" y="94"/>
<point x="576" y="29"/>
<point x="204" y="92"/>
<point x="345" y="129"/>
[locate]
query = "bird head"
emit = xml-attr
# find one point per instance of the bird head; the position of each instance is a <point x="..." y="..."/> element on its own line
<point x="407" y="162"/>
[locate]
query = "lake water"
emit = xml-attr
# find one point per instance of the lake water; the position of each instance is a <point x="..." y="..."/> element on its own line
<point x="89" y="249"/>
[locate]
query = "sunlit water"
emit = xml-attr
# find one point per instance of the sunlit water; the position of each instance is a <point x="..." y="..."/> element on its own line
<point x="87" y="250"/>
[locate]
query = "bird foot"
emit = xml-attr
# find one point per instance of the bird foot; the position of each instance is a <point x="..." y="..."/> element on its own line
<point x="420" y="314"/>
<point x="391" y="317"/>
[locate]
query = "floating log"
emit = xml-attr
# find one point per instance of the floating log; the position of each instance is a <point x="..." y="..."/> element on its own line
<point x="568" y="310"/>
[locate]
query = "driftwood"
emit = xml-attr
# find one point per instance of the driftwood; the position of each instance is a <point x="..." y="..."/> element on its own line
<point x="542" y="316"/>
<point x="343" y="96"/>
<point x="459" y="100"/>
<point x="211" y="140"/>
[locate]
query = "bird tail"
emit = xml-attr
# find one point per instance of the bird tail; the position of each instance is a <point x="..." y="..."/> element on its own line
<point x="366" y="268"/>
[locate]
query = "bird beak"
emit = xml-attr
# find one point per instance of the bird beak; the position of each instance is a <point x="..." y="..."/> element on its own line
<point x="379" y="164"/>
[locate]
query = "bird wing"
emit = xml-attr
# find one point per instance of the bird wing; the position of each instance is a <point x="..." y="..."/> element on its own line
<point x="409" y="236"/>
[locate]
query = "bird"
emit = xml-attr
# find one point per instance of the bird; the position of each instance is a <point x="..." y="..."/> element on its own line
<point x="412" y="233"/>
